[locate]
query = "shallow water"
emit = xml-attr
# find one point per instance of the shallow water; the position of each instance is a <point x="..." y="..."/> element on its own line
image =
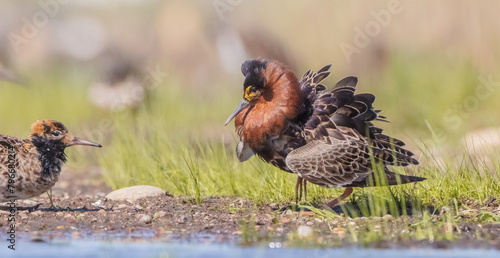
<point x="83" y="248"/>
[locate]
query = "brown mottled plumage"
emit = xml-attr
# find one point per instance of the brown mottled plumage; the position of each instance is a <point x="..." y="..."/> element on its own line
<point x="29" y="167"/>
<point x="326" y="137"/>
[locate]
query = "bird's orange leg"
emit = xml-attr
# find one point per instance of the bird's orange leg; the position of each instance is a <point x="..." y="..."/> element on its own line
<point x="347" y="192"/>
<point x="297" y="185"/>
<point x="305" y="189"/>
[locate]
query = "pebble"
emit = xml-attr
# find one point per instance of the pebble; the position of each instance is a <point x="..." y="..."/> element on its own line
<point x="69" y="218"/>
<point x="122" y="206"/>
<point x="262" y="220"/>
<point x="146" y="219"/>
<point x="339" y="231"/>
<point x="28" y="203"/>
<point x="98" y="204"/>
<point x="387" y="217"/>
<point x="444" y="210"/>
<point x="309" y="223"/>
<point x="36" y="236"/>
<point x="304" y="231"/>
<point x="37" y="213"/>
<point x="134" y="193"/>
<point x="182" y="219"/>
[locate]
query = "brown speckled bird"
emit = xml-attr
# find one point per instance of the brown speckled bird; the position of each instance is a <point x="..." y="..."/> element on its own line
<point x="29" y="167"/>
<point x="325" y="137"/>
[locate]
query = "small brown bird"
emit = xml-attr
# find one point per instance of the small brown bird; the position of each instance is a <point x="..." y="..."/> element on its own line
<point x="29" y="167"/>
<point x="325" y="137"/>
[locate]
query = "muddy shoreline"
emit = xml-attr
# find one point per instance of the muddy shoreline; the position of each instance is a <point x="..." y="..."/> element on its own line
<point x="84" y="213"/>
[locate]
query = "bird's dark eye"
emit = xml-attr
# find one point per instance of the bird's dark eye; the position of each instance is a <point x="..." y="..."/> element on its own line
<point x="56" y="133"/>
<point x="253" y="89"/>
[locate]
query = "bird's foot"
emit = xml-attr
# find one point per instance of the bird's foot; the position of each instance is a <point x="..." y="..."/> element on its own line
<point x="347" y="192"/>
<point x="52" y="207"/>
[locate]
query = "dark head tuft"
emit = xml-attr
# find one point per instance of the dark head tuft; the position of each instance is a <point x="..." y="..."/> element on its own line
<point x="253" y="70"/>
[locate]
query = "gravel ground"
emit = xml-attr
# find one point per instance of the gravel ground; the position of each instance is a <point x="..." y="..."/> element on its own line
<point x="84" y="213"/>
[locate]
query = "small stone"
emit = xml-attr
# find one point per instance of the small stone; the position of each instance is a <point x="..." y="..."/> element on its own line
<point x="146" y="219"/>
<point x="134" y="193"/>
<point x="102" y="212"/>
<point x="182" y="219"/>
<point x="309" y="223"/>
<point x="444" y="210"/>
<point x="304" y="231"/>
<point x="69" y="218"/>
<point x="23" y="215"/>
<point x="288" y="212"/>
<point x="274" y="206"/>
<point x="28" y="204"/>
<point x="161" y="214"/>
<point x="260" y="220"/>
<point x="339" y="231"/>
<point x="36" y="236"/>
<point x="37" y="213"/>
<point x="98" y="204"/>
<point x="387" y="217"/>
<point x="122" y="206"/>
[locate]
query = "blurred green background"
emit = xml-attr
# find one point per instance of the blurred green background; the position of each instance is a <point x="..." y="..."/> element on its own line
<point x="432" y="65"/>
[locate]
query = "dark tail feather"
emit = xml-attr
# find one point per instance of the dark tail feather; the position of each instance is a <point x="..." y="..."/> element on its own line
<point x="396" y="179"/>
<point x="392" y="179"/>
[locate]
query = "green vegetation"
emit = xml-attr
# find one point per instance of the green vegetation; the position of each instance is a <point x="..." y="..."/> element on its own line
<point x="177" y="142"/>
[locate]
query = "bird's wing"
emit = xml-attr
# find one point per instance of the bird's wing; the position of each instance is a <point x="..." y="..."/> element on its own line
<point x="8" y="147"/>
<point x="334" y="164"/>
<point x="340" y="116"/>
<point x="349" y="110"/>
<point x="335" y="156"/>
<point x="311" y="81"/>
<point x="7" y="142"/>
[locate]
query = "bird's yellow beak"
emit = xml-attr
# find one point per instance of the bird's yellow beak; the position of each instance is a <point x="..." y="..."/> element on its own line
<point x="242" y="106"/>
